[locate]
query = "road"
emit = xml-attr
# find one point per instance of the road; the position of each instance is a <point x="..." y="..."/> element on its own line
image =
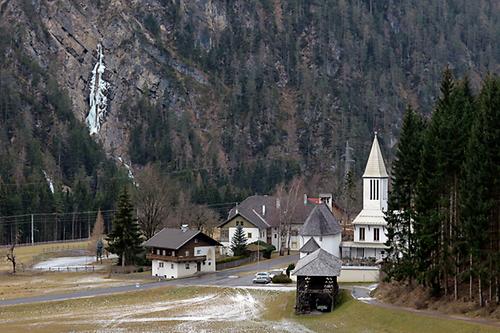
<point x="234" y="277"/>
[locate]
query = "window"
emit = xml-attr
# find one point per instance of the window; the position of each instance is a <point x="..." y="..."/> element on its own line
<point x="160" y="264"/>
<point x="173" y="253"/>
<point x="187" y="266"/>
<point x="224" y="234"/>
<point x="196" y="240"/>
<point x="376" y="234"/>
<point x="164" y="252"/>
<point x="172" y="266"/>
<point x="249" y="235"/>
<point x="371" y="189"/>
<point x="187" y="253"/>
<point x="198" y="251"/>
<point x="275" y="235"/>
<point x="158" y="251"/>
<point x="204" y="262"/>
<point x="209" y="263"/>
<point x="361" y="234"/>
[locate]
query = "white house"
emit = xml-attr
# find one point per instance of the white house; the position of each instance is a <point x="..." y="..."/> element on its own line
<point x="370" y="224"/>
<point x="258" y="215"/>
<point x="181" y="252"/>
<point x="321" y="230"/>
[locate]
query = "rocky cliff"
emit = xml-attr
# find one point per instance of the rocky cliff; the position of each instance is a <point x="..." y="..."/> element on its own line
<point x="226" y="88"/>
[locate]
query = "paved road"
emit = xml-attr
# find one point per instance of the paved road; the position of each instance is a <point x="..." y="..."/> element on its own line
<point x="239" y="276"/>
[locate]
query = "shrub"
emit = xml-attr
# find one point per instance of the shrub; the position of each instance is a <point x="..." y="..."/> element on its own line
<point x="290" y="268"/>
<point x="282" y="278"/>
<point x="140" y="269"/>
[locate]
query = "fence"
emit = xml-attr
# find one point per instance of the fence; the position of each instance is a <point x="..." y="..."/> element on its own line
<point x="50" y="227"/>
<point x="68" y="269"/>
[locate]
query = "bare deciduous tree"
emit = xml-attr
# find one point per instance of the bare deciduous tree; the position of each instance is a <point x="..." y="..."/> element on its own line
<point x="11" y="255"/>
<point x="289" y="199"/>
<point x="153" y="199"/>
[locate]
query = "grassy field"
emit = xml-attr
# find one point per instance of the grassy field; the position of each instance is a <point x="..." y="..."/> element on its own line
<point x="27" y="255"/>
<point x="45" y="283"/>
<point x="211" y="309"/>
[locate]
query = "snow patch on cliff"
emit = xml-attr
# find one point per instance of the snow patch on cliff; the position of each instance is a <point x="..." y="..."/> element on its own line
<point x="98" y="100"/>
<point x="49" y="181"/>
<point x="129" y="169"/>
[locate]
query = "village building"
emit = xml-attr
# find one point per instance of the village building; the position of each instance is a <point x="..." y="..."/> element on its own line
<point x="259" y="216"/>
<point x="370" y="226"/>
<point x="320" y="230"/>
<point x="317" y="286"/>
<point x="176" y="253"/>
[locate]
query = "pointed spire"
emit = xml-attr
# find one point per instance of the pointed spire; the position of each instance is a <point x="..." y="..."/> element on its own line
<point x="375" y="167"/>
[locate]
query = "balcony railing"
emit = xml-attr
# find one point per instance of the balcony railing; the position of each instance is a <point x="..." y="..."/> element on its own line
<point x="153" y="256"/>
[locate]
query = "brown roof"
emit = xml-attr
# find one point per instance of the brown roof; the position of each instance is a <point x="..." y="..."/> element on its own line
<point x="251" y="210"/>
<point x="169" y="238"/>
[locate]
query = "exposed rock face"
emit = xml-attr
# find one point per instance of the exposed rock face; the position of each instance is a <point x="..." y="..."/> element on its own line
<point x="310" y="86"/>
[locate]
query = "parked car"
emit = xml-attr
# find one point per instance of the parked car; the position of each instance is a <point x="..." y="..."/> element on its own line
<point x="262" y="277"/>
<point x="275" y="272"/>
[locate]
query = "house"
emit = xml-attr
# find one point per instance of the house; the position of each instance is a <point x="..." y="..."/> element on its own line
<point x="259" y="216"/>
<point x="317" y="286"/>
<point x="181" y="252"/>
<point x="321" y="230"/>
<point x="370" y="224"/>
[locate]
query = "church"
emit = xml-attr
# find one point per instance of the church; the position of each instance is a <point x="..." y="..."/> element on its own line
<point x="370" y="226"/>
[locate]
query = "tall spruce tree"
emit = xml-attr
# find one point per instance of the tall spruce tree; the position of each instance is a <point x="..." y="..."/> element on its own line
<point x="480" y="193"/>
<point x="239" y="242"/>
<point x="125" y="239"/>
<point x="400" y="263"/>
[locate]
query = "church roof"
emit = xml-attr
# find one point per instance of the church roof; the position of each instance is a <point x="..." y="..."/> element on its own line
<point x="320" y="222"/>
<point x="318" y="263"/>
<point x="375" y="167"/>
<point x="309" y="246"/>
<point x="370" y="216"/>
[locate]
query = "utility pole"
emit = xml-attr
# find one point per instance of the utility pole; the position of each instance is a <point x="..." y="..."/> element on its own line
<point x="32" y="230"/>
<point x="347" y="158"/>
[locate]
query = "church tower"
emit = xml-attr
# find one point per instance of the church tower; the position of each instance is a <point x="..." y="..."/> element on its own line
<point x="370" y="224"/>
<point x="375" y="180"/>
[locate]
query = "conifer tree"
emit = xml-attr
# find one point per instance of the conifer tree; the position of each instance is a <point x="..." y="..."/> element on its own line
<point x="400" y="255"/>
<point x="239" y="242"/>
<point x="125" y="238"/>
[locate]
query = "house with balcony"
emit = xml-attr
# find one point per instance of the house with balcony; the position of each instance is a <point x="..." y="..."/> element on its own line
<point x="370" y="226"/>
<point x="176" y="253"/>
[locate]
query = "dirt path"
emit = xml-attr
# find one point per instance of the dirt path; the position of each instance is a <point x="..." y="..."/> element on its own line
<point x="363" y="294"/>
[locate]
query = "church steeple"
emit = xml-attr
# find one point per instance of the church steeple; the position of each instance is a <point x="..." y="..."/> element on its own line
<point x="375" y="180"/>
<point x="375" y="167"/>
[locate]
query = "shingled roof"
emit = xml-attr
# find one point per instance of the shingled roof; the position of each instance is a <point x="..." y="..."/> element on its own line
<point x="251" y="210"/>
<point x="375" y="167"/>
<point x="309" y="246"/>
<point x="169" y="238"/>
<point x="318" y="263"/>
<point x="320" y="222"/>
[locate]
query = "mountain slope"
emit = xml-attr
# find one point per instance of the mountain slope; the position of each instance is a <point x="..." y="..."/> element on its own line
<point x="247" y="92"/>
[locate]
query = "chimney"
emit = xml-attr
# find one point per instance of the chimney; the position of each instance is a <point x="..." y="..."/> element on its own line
<point x="263" y="210"/>
<point x="327" y="198"/>
<point x="305" y="199"/>
<point x="184" y="227"/>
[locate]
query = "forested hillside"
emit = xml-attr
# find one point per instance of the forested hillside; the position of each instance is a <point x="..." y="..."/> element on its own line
<point x="228" y="97"/>
<point x="444" y="210"/>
